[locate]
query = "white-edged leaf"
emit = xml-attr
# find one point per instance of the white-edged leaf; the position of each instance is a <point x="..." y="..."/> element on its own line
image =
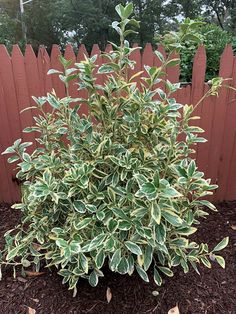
<point x="220" y="260"/>
<point x="220" y="246"/>
<point x="156" y="212"/>
<point x="142" y="273"/>
<point x="133" y="247"/>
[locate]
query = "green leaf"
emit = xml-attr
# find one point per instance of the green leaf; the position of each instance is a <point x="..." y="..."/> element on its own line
<point x="134" y="23"/>
<point x="91" y="208"/>
<point x="205" y="261"/>
<point x="129" y="31"/>
<point x="173" y="62"/>
<point x="100" y="258"/>
<point x="112" y="225"/>
<point x="156" y="179"/>
<point x="83" y="223"/>
<point x="170" y="192"/>
<point x="191" y="168"/>
<point x="13" y="159"/>
<point x="159" y="55"/>
<point x="148" y="254"/>
<point x="93" y="279"/>
<point x="124" y="225"/>
<point x="186" y="230"/>
<point x="83" y="262"/>
<point x="220" y="246"/>
<point x="156" y="212"/>
<point x="98" y="240"/>
<point x="115" y="260"/>
<point x="116" y="27"/>
<point x="123" y="266"/>
<point x="12" y="253"/>
<point x="142" y="273"/>
<point x="172" y="217"/>
<point x="161" y="93"/>
<point x="180" y="242"/>
<point x="207" y="204"/>
<point x="61" y="243"/>
<point x="53" y="101"/>
<point x="141" y="179"/>
<point x="120" y="10"/>
<point x="75" y="247"/>
<point x="160" y="233"/>
<point x="148" y="188"/>
<point x="109" y="244"/>
<point x="192" y="38"/>
<point x="57" y="230"/>
<point x="79" y="206"/>
<point x="128" y="10"/>
<point x="105" y="68"/>
<point x="220" y="260"/>
<point x="167" y="271"/>
<point x="64" y="62"/>
<point x="9" y="150"/>
<point x="53" y="71"/>
<point x="133" y="247"/>
<point x="157" y="277"/>
<point x="120" y="213"/>
<point x="100" y="215"/>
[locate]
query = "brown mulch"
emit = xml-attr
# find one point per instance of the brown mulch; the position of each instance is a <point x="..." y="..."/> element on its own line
<point x="212" y="292"/>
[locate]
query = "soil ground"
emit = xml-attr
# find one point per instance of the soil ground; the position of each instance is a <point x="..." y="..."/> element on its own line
<point x="214" y="291"/>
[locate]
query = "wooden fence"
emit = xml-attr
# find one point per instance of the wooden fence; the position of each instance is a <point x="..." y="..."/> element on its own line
<point x="22" y="76"/>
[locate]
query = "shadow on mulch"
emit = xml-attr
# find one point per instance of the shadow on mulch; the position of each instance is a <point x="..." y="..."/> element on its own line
<point x="212" y="292"/>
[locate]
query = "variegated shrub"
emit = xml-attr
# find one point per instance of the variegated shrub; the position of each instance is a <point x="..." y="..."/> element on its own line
<point x="118" y="186"/>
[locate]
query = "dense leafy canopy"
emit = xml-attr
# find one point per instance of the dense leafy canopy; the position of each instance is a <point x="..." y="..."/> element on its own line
<point x="212" y="36"/>
<point x="123" y="191"/>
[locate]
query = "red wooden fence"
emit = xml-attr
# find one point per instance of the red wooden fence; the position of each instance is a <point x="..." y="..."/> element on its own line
<point x="22" y="76"/>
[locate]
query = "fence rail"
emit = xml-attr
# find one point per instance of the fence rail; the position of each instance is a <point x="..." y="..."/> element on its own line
<point x="22" y="76"/>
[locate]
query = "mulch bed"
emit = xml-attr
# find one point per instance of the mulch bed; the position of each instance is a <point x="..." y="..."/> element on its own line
<point x="212" y="292"/>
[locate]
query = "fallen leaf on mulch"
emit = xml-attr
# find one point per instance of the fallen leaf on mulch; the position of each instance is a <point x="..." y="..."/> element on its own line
<point x="34" y="273"/>
<point x="21" y="279"/>
<point x="233" y="227"/>
<point x="109" y="295"/>
<point x="174" y="310"/>
<point x="31" y="311"/>
<point x="155" y="293"/>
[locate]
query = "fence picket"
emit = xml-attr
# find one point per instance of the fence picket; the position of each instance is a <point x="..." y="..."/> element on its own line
<point x="22" y="93"/>
<point x="226" y="66"/>
<point x="147" y="57"/>
<point x="198" y="79"/>
<point x="11" y="103"/>
<point x="8" y="188"/>
<point x="43" y="66"/>
<point x="228" y="141"/>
